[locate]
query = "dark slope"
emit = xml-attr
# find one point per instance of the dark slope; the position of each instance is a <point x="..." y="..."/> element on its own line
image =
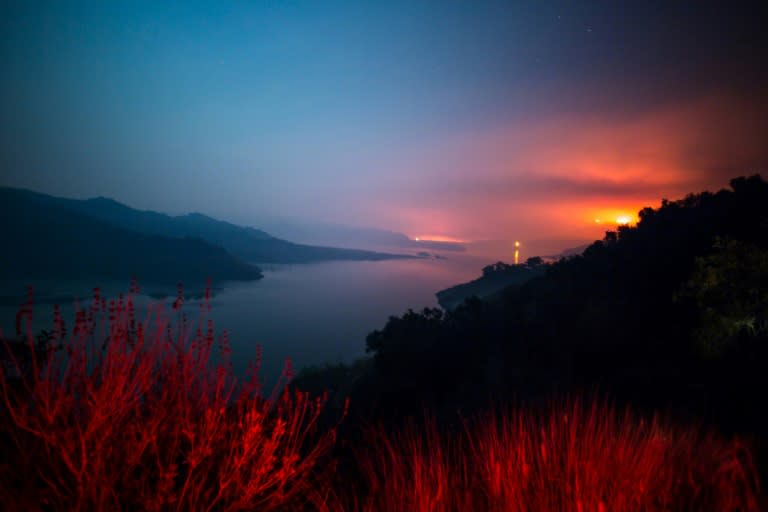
<point x="42" y="238"/>
<point x="495" y="278"/>
<point x="669" y="315"/>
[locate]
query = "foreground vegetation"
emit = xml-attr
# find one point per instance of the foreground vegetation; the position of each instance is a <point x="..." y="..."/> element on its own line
<point x="128" y="415"/>
<point x="568" y="456"/>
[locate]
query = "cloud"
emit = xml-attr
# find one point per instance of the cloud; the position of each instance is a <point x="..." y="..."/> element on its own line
<point x="560" y="188"/>
<point x="556" y="174"/>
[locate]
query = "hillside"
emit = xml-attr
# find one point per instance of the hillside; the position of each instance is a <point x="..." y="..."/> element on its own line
<point x="671" y="314"/>
<point x="42" y="238"/>
<point x="495" y="278"/>
<point x="246" y="243"/>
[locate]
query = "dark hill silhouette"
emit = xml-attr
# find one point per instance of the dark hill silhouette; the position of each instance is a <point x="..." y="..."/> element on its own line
<point x="246" y="243"/>
<point x="42" y="238"/>
<point x="565" y="253"/>
<point x="671" y="314"/>
<point x="495" y="278"/>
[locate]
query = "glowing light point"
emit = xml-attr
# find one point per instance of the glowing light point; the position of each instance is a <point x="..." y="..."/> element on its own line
<point x="598" y="221"/>
<point x="623" y="219"/>
<point x="517" y="244"/>
<point x="417" y="239"/>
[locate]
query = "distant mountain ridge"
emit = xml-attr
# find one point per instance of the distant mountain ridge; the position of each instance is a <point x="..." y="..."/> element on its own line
<point x="156" y="223"/>
<point x="340" y="235"/>
<point x="246" y="243"/>
<point x="249" y="244"/>
<point x="43" y="238"/>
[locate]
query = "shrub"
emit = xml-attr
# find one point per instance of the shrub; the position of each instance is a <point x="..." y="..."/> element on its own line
<point x="122" y="415"/>
<point x="572" y="457"/>
<point x="127" y="415"/>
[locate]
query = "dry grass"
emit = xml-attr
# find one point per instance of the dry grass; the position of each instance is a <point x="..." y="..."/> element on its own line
<point x="137" y="416"/>
<point x="572" y="457"/>
<point x="141" y="416"/>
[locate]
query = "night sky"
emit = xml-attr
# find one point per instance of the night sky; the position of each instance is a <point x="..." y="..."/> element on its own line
<point x="458" y="119"/>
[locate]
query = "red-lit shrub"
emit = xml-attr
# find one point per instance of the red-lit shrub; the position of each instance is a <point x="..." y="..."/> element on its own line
<point x="138" y="416"/>
<point x="127" y="415"/>
<point x="571" y="458"/>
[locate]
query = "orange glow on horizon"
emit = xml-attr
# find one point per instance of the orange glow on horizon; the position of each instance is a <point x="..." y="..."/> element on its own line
<point x="572" y="176"/>
<point x="438" y="238"/>
<point x="532" y="220"/>
<point x="612" y="217"/>
<point x="529" y="220"/>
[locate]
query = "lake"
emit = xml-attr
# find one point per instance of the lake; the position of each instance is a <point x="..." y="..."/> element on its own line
<point x="311" y="313"/>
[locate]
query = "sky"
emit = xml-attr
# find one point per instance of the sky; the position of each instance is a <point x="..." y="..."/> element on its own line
<point x="452" y="119"/>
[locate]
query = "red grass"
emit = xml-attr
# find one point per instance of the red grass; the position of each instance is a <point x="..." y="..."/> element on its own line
<point x="571" y="458"/>
<point x="138" y="417"/>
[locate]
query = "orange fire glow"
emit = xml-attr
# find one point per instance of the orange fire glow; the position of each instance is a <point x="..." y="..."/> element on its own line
<point x="613" y="217"/>
<point x="570" y="176"/>
<point x="438" y="238"/>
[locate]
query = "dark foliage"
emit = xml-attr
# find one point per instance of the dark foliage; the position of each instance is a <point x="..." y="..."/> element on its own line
<point x="669" y="314"/>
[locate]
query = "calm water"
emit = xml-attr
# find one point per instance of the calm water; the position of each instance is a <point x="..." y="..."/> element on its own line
<point x="313" y="313"/>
